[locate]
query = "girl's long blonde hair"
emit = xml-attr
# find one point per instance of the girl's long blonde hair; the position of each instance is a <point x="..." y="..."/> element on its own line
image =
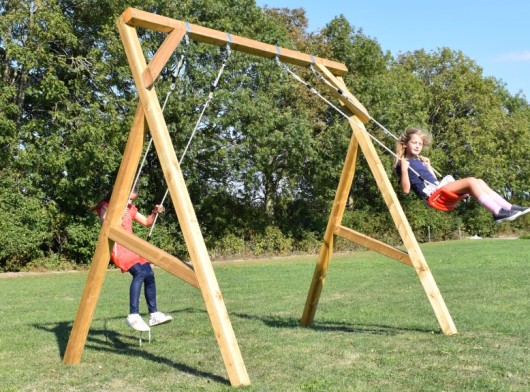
<point x="404" y="139"/>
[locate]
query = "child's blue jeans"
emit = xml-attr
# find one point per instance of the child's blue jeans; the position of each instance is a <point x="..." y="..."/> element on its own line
<point x="142" y="273"/>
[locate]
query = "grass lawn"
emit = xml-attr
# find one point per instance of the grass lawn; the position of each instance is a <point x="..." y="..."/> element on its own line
<point x="374" y="328"/>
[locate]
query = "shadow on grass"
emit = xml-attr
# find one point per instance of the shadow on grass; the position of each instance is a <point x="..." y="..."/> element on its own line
<point x="334" y="326"/>
<point x="103" y="339"/>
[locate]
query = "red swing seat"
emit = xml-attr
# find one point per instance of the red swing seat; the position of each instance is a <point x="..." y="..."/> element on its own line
<point x="444" y="200"/>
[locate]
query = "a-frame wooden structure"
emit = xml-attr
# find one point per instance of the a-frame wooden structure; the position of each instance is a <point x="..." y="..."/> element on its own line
<point x="413" y="257"/>
<point x="201" y="274"/>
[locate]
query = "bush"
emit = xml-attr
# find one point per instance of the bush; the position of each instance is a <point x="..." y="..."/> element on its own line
<point x="81" y="239"/>
<point x="309" y="243"/>
<point x="229" y="245"/>
<point x="478" y="221"/>
<point x="272" y="242"/>
<point x="167" y="237"/>
<point x="429" y="224"/>
<point x="26" y="227"/>
<point x="50" y="263"/>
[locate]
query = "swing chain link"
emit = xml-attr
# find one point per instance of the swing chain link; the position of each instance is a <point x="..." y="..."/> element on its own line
<point x="176" y="70"/>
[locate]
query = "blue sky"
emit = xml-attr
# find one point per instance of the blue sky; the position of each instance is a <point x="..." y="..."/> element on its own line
<point x="494" y="34"/>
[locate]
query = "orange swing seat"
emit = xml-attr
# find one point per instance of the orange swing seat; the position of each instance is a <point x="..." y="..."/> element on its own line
<point x="444" y="200"/>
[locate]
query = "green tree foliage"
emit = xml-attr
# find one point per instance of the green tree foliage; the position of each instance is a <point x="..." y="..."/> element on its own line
<point x="478" y="129"/>
<point x="25" y="222"/>
<point x="265" y="162"/>
<point x="65" y="113"/>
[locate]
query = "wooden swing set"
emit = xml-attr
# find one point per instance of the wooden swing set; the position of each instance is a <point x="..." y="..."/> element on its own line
<point x="201" y="274"/>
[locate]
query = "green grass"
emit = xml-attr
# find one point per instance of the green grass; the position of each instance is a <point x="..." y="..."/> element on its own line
<point x="374" y="329"/>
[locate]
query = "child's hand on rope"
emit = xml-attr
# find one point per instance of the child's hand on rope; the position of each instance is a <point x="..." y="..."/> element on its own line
<point x="426" y="161"/>
<point x="158" y="209"/>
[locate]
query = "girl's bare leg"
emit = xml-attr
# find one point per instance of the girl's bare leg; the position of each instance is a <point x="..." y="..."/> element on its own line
<point x="469" y="185"/>
<point x="481" y="191"/>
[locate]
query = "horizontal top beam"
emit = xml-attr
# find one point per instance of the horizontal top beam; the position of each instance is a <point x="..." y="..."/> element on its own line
<point x="137" y="18"/>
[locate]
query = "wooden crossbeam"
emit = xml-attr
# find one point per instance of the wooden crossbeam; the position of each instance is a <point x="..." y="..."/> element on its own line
<point x="155" y="255"/>
<point x="162" y="55"/>
<point x="373" y="244"/>
<point x="137" y="18"/>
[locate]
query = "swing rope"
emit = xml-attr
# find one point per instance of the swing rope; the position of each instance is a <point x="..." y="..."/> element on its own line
<point x="226" y="55"/>
<point x="439" y="198"/>
<point x="213" y="86"/>
<point x="174" y="75"/>
<point x="314" y="91"/>
<point x="341" y="93"/>
<point x="385" y="130"/>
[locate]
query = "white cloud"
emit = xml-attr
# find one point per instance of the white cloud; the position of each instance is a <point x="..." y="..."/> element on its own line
<point x="514" y="57"/>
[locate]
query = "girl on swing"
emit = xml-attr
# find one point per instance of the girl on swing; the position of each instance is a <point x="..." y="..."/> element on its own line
<point x="137" y="266"/>
<point x="415" y="172"/>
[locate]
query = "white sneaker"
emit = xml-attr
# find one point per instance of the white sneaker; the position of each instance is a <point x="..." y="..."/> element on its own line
<point x="158" y="318"/>
<point x="136" y="322"/>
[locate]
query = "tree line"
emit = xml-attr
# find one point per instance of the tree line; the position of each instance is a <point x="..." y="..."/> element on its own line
<point x="263" y="168"/>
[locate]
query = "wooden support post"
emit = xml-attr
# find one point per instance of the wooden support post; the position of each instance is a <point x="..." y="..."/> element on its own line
<point x="100" y="261"/>
<point x="335" y="219"/>
<point x="208" y="285"/>
<point x="404" y="229"/>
